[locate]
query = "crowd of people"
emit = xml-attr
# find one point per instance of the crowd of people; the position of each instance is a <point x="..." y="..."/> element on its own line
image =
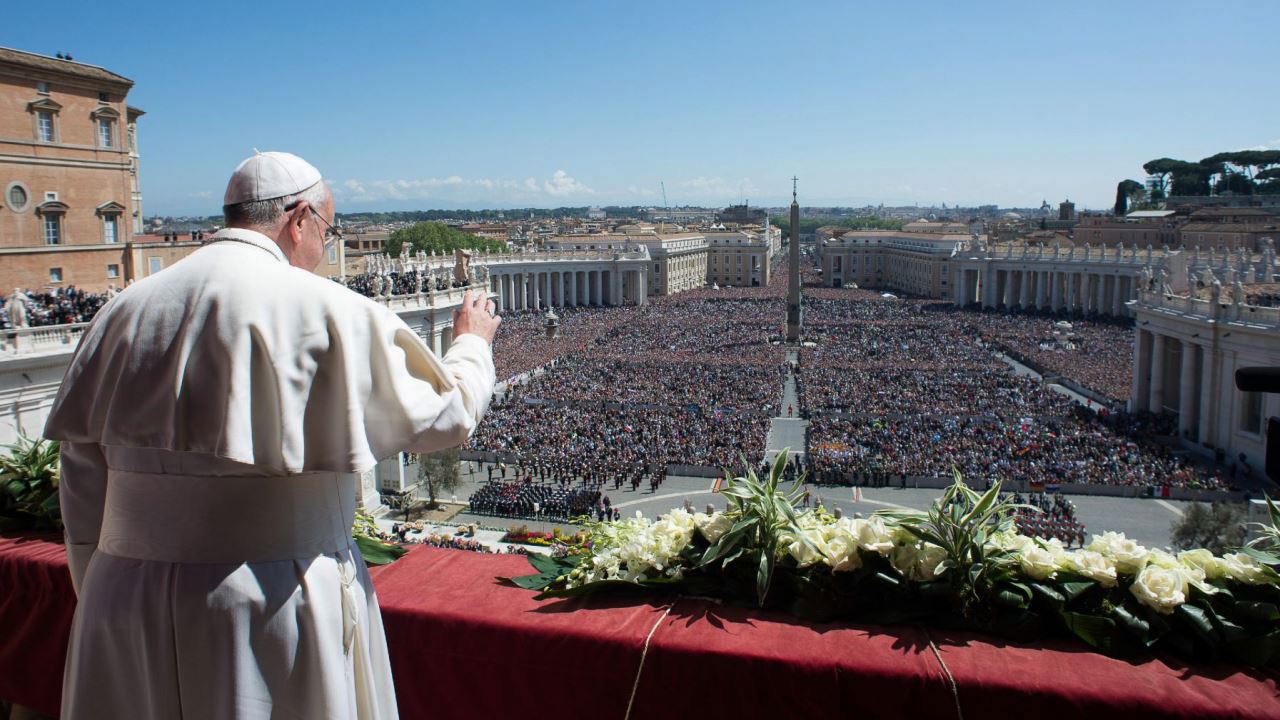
<point x="60" y="306"/>
<point x="524" y="498"/>
<point x="1080" y="448"/>
<point x="1051" y="516"/>
<point x="1097" y="354"/>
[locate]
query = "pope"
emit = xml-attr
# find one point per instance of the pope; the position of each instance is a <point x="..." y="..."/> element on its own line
<point x="213" y="424"/>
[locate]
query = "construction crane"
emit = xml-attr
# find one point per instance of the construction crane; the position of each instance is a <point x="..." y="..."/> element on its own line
<point x="665" y="206"/>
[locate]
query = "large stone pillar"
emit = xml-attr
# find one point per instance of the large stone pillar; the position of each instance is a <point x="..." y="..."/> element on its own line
<point x="1024" y="292"/>
<point x="573" y="288"/>
<point x="537" y="290"/>
<point x="1117" y="295"/>
<point x="1208" y="406"/>
<point x="446" y="340"/>
<point x="1100" y="294"/>
<point x="596" y="298"/>
<point x="1188" y="398"/>
<point x="1056" y="283"/>
<point x="1156" y="403"/>
<point x="1140" y="397"/>
<point x="989" y="297"/>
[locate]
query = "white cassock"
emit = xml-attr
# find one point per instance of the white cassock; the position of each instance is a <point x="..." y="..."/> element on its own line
<point x="213" y="422"/>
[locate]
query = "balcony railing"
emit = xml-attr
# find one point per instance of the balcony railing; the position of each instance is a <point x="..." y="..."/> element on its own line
<point x="44" y="340"/>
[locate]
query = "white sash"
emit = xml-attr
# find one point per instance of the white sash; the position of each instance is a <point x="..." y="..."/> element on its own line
<point x="212" y="519"/>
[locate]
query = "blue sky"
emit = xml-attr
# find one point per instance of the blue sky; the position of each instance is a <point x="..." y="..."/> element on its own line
<point x="484" y="104"/>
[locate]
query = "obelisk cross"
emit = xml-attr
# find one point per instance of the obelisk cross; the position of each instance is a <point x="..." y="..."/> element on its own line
<point x="795" y="314"/>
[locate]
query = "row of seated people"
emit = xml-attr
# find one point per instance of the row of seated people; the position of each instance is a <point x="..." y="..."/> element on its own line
<point x="1050" y="516"/>
<point x="527" y="499"/>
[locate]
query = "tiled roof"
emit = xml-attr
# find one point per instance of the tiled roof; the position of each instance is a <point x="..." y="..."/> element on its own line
<point x="62" y="67"/>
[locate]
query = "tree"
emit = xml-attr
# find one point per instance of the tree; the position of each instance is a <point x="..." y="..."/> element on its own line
<point x="439" y="473"/>
<point x="1218" y="527"/>
<point x="440" y="239"/>
<point x="1125" y="190"/>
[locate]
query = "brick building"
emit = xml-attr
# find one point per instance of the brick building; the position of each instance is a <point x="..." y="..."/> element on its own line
<point x="72" y="199"/>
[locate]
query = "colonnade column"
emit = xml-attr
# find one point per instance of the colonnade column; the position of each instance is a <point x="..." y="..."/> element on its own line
<point x="1024" y="294"/>
<point x="1156" y="403"/>
<point x="596" y="297"/>
<point x="1187" y="397"/>
<point x="1141" y="394"/>
<point x="1100" y="294"/>
<point x="1055" y="281"/>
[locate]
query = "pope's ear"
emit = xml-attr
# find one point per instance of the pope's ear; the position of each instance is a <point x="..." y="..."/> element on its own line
<point x="297" y="215"/>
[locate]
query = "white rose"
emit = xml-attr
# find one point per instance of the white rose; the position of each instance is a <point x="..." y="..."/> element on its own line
<point x="1160" y="588"/>
<point x="842" y="553"/>
<point x="1129" y="556"/>
<point x="1202" y="560"/>
<point x="1038" y="562"/>
<point x="1093" y="565"/>
<point x="713" y="526"/>
<point x="870" y="534"/>
<point x="918" y="561"/>
<point x="1244" y="569"/>
<point x="680" y="518"/>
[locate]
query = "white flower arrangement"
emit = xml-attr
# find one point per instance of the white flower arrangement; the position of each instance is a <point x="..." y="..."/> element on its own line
<point x="963" y="558"/>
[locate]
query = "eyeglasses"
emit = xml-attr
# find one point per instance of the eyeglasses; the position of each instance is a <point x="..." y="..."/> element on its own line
<point x="331" y="233"/>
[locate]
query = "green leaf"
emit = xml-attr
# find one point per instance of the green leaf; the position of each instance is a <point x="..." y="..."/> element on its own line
<point x="540" y="581"/>
<point x="1138" y="627"/>
<point x="1250" y="611"/>
<point x="1093" y="629"/>
<point x="764" y="576"/>
<point x="376" y="552"/>
<point x="1256" y="651"/>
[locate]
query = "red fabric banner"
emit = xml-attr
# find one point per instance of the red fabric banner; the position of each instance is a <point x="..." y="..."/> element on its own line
<point x="463" y="644"/>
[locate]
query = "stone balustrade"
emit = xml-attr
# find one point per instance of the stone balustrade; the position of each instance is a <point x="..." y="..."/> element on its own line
<point x="44" y="340"/>
<point x="1197" y="308"/>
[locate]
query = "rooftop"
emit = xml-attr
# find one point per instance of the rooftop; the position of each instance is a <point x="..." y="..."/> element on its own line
<point x="44" y="63"/>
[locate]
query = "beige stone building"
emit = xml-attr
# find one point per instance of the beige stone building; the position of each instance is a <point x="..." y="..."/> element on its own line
<point x="1186" y="352"/>
<point x="678" y="259"/>
<point x="742" y="258"/>
<point x="1206" y="228"/>
<point x="915" y="263"/>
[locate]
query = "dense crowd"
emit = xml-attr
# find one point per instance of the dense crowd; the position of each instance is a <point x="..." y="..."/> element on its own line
<point x="61" y="306"/>
<point x="1080" y="448"/>
<point x="528" y="499"/>
<point x="1097" y="354"/>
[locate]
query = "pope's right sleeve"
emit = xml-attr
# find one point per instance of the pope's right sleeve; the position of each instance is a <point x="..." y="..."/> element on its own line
<point x="82" y="491"/>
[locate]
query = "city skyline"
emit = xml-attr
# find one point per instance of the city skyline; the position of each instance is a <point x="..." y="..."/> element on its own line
<point x="494" y="107"/>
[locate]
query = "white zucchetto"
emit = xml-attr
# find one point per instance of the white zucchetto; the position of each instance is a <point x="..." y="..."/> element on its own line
<point x="268" y="175"/>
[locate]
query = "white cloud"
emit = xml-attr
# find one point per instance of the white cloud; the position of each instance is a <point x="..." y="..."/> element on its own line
<point x="561" y="184"/>
<point x="459" y="188"/>
<point x="202" y="194"/>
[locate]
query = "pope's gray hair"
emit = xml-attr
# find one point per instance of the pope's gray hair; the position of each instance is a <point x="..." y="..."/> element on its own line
<point x="269" y="213"/>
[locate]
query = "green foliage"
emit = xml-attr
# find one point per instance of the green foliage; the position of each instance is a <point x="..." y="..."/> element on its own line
<point x="439" y="472"/>
<point x="439" y="238"/>
<point x="29" y="486"/>
<point x="375" y="548"/>
<point x="1217" y="527"/>
<point x="962" y="522"/>
<point x="983" y="582"/>
<point x="808" y="225"/>
<point x="763" y="517"/>
<point x="1126" y="191"/>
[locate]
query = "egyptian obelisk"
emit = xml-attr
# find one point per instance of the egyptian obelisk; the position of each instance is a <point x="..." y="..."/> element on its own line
<point x="795" y="314"/>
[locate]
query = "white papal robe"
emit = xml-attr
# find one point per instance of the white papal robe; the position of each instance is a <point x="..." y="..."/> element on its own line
<point x="213" y="423"/>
